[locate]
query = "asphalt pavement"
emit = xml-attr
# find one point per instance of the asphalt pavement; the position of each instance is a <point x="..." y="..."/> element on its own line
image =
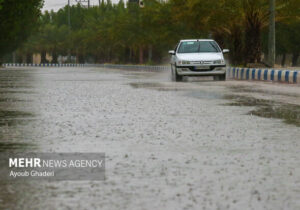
<point x="197" y="144"/>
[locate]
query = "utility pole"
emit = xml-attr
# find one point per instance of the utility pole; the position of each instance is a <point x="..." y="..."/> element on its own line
<point x="69" y="15"/>
<point x="69" y="23"/>
<point x="272" y="42"/>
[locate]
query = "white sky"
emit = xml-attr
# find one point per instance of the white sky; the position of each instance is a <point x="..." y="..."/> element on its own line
<point x="57" y="4"/>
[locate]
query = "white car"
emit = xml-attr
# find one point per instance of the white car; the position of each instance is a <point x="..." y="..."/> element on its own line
<point x="198" y="57"/>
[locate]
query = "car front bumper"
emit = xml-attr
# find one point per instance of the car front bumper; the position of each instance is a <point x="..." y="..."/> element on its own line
<point x="207" y="71"/>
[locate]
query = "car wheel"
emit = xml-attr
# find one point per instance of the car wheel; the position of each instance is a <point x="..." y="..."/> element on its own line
<point x="172" y="73"/>
<point x="220" y="77"/>
<point x="216" y="78"/>
<point x="175" y="76"/>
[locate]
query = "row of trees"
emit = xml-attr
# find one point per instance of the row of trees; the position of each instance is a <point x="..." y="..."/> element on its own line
<point x="119" y="33"/>
<point x="17" y="20"/>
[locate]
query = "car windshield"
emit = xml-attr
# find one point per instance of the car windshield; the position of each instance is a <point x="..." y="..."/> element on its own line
<point x="198" y="47"/>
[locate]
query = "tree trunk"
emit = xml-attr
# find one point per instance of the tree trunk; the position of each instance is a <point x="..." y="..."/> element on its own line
<point x="236" y="53"/>
<point x="253" y="37"/>
<point x="108" y="56"/>
<point x="141" y="55"/>
<point x="28" y="58"/>
<point x="150" y="49"/>
<point x="295" y="58"/>
<point x="54" y="57"/>
<point x="219" y="38"/>
<point x="80" y="58"/>
<point x="14" y="57"/>
<point x="283" y="59"/>
<point x="130" y="54"/>
<point x="43" y="57"/>
<point x="19" y="58"/>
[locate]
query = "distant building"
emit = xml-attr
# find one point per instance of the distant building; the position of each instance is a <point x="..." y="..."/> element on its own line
<point x="36" y="58"/>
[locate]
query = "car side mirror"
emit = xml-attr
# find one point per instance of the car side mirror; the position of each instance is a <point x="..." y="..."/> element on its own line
<point x="172" y="52"/>
<point x="225" y="51"/>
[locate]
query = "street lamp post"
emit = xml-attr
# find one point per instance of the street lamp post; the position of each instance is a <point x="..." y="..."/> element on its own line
<point x="69" y="18"/>
<point x="271" y="44"/>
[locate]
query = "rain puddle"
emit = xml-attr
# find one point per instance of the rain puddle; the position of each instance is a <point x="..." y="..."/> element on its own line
<point x="9" y="146"/>
<point x="247" y="89"/>
<point x="204" y="95"/>
<point x="15" y="86"/>
<point x="246" y="101"/>
<point x="289" y="113"/>
<point x="13" y="100"/>
<point x="146" y="85"/>
<point x="11" y="118"/>
<point x="138" y="75"/>
<point x="156" y="86"/>
<point x="10" y="114"/>
<point x="15" y="91"/>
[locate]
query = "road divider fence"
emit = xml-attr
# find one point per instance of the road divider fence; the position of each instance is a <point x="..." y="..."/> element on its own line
<point x="276" y="75"/>
<point x="43" y="65"/>
<point x="111" y="66"/>
<point x="258" y="74"/>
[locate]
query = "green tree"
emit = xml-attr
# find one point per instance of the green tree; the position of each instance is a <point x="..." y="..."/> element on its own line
<point x="17" y="19"/>
<point x="1" y="4"/>
<point x="116" y="33"/>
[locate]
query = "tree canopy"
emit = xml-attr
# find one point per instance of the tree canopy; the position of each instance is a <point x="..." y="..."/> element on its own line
<point x="17" y="19"/>
<point x="119" y="33"/>
<point x="1" y="4"/>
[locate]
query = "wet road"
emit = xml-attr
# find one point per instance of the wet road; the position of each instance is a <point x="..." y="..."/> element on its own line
<point x="192" y="145"/>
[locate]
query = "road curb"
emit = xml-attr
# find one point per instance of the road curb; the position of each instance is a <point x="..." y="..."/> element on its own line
<point x="275" y="75"/>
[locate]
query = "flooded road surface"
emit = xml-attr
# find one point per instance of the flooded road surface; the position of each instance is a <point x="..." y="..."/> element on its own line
<point x="198" y="144"/>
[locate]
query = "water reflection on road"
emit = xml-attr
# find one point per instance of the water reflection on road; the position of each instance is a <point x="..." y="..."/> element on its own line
<point x="168" y="145"/>
<point x="17" y="95"/>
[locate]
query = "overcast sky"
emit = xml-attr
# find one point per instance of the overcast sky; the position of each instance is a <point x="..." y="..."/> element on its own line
<point x="57" y="4"/>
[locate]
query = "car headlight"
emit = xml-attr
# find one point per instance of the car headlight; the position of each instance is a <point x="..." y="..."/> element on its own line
<point x="219" y="61"/>
<point x="183" y="62"/>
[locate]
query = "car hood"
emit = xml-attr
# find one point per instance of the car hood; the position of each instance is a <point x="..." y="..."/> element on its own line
<point x="199" y="56"/>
